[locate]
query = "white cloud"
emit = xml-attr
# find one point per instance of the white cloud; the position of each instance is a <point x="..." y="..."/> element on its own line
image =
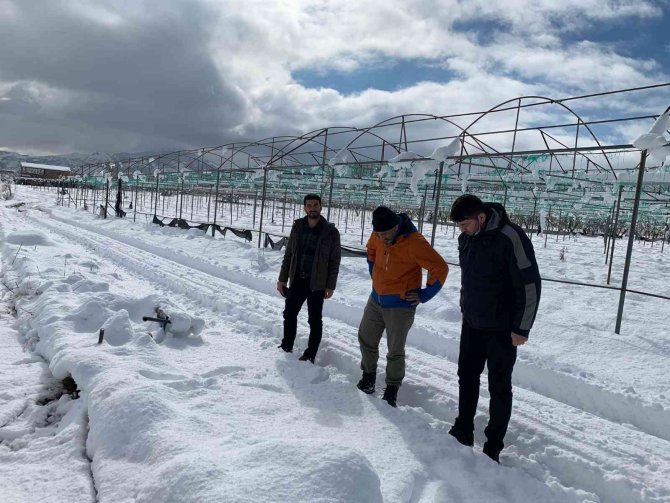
<point x="196" y="72"/>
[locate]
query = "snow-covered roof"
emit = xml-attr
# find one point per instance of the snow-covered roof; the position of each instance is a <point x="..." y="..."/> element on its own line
<point x="45" y="166"/>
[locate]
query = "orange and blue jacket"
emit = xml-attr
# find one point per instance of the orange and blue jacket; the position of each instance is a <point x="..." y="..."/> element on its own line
<point x="396" y="268"/>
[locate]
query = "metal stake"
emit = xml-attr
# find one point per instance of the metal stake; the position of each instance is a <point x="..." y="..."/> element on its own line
<point x="631" y="239"/>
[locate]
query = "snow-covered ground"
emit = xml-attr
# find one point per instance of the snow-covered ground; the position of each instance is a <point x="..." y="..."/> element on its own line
<point x="211" y="410"/>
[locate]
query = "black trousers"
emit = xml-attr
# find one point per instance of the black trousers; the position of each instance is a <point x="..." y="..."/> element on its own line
<point x="297" y="294"/>
<point x="477" y="348"/>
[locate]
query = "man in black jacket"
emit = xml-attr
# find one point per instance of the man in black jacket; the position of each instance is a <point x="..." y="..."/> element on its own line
<point x="311" y="263"/>
<point x="500" y="293"/>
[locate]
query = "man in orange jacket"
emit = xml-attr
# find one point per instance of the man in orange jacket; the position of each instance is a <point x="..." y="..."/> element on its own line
<point x="397" y="253"/>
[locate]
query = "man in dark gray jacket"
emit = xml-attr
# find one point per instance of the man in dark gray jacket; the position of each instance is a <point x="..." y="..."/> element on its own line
<point x="311" y="264"/>
<point x="500" y="293"/>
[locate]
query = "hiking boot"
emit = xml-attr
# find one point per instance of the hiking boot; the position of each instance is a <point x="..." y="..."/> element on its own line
<point x="288" y="350"/>
<point x="391" y="394"/>
<point x="367" y="382"/>
<point x="306" y="358"/>
<point x="491" y="452"/>
<point x="465" y="437"/>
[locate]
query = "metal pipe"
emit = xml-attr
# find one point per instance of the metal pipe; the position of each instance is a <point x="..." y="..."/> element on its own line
<point x="614" y="230"/>
<point x="216" y="198"/>
<point x="437" y="203"/>
<point x="365" y="202"/>
<point x="260" y="222"/>
<point x="283" y="211"/>
<point x="532" y="218"/>
<point x="631" y="239"/>
<point x="181" y="197"/>
<point x="106" y="199"/>
<point x="157" y="191"/>
<point x="137" y="188"/>
<point x="255" y="202"/>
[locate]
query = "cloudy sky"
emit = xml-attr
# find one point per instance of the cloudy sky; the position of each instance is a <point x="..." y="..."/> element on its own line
<point x="136" y="75"/>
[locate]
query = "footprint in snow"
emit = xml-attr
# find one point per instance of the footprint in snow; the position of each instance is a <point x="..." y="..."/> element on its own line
<point x="223" y="371"/>
<point x="160" y="376"/>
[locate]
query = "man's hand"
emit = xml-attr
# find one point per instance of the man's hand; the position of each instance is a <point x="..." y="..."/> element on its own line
<point x="518" y="340"/>
<point x="328" y="294"/>
<point x="281" y="285"/>
<point x="413" y="297"/>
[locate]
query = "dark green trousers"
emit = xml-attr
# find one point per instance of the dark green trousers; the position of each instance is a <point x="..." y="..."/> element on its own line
<point x="396" y="321"/>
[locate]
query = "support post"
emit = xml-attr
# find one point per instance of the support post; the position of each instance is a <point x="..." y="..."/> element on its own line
<point x="181" y="197"/>
<point x="283" y="211"/>
<point x="209" y="202"/>
<point x="365" y="202"/>
<point x="608" y="231"/>
<point x="437" y="203"/>
<point x="260" y="222"/>
<point x="631" y="239"/>
<point x="106" y="198"/>
<point x="616" y="225"/>
<point x="532" y="218"/>
<point x="216" y="198"/>
<point x="137" y="189"/>
<point x="156" y="199"/>
<point x="255" y="203"/>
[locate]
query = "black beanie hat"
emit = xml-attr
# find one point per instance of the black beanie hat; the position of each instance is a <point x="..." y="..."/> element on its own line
<point x="384" y="219"/>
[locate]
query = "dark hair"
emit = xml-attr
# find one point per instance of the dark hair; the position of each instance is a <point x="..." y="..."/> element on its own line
<point x="466" y="206"/>
<point x="311" y="196"/>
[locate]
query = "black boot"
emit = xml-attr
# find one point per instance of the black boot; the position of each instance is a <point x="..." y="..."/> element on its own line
<point x="288" y="350"/>
<point x="492" y="452"/>
<point x="463" y="435"/>
<point x="306" y="358"/>
<point x="367" y="382"/>
<point x="391" y="394"/>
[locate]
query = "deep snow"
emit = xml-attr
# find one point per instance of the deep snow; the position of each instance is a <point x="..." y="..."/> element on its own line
<point x="211" y="410"/>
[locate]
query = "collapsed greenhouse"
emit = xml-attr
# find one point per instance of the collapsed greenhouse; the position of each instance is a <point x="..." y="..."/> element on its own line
<point x="559" y="166"/>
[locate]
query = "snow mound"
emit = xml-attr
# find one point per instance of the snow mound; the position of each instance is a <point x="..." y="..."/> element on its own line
<point x="182" y="323"/>
<point x="28" y="238"/>
<point x="126" y="420"/>
<point x="136" y="306"/>
<point x="195" y="233"/>
<point x="89" y="316"/>
<point x="301" y="471"/>
<point x="276" y="470"/>
<point x="87" y="285"/>
<point x="118" y="330"/>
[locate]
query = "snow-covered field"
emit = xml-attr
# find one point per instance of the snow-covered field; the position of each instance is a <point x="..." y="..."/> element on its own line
<point x="213" y="411"/>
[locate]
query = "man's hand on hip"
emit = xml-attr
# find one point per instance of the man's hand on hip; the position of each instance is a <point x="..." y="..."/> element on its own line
<point x="412" y="296"/>
<point x="518" y="340"/>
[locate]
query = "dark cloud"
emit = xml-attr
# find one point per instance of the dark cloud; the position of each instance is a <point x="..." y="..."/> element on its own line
<point x="89" y="76"/>
<point x="19" y="100"/>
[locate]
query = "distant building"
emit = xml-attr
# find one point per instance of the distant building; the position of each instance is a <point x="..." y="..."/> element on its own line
<point x="32" y="170"/>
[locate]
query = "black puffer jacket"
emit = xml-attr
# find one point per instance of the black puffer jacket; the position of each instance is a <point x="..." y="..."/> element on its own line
<point x="500" y="280"/>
